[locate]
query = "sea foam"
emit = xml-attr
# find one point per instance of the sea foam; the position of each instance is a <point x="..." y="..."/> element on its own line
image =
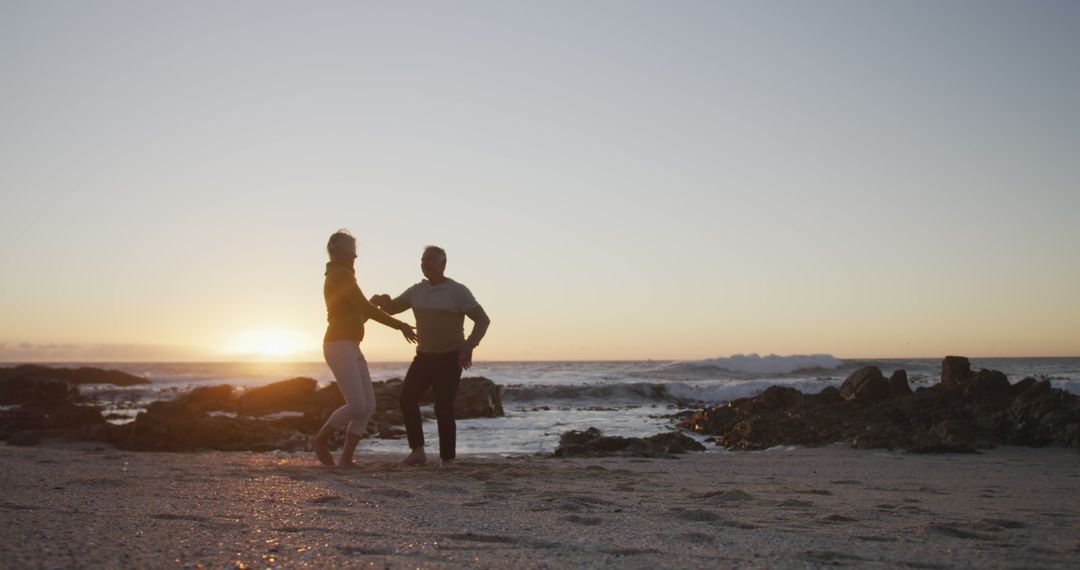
<point x="771" y="364"/>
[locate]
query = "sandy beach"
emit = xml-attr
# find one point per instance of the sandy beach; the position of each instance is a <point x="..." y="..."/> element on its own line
<point x="77" y="506"/>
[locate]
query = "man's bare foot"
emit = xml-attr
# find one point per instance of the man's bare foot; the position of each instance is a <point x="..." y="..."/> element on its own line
<point x="346" y="464"/>
<point x="322" y="452"/>
<point x="416" y="457"/>
<point x="446" y="463"/>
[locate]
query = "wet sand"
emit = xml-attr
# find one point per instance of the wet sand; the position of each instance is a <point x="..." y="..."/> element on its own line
<point x="76" y="507"/>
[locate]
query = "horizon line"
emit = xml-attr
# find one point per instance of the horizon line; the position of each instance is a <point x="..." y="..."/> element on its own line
<point x="503" y="361"/>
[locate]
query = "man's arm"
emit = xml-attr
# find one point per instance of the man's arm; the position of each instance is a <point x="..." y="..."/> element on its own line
<point x="393" y="306"/>
<point x="480" y="325"/>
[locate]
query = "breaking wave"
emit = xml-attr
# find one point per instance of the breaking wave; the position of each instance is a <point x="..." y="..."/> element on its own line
<point x="755" y="364"/>
<point x="645" y="393"/>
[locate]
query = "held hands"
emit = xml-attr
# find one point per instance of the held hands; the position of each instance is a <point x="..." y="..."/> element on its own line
<point x="381" y="301"/>
<point x="465" y="358"/>
<point x="408" y="332"/>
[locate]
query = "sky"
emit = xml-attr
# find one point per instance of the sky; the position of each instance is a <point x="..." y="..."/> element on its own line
<point x="611" y="179"/>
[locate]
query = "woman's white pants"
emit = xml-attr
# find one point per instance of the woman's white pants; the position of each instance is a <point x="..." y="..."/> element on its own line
<point x="353" y="379"/>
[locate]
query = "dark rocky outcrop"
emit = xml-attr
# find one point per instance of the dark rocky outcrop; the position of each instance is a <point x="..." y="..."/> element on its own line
<point x="74" y="376"/>
<point x="191" y="420"/>
<point x="295" y="395"/>
<point x="592" y="443"/>
<point x="209" y="417"/>
<point x="163" y="432"/>
<point x="966" y="411"/>
<point x="865" y="384"/>
<point x="477" y="398"/>
<point x="955" y="372"/>
<point x="49" y="406"/>
<point x="45" y="391"/>
<point x="49" y="402"/>
<point x="898" y="384"/>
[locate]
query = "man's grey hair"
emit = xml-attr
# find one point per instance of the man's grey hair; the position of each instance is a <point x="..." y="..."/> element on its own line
<point x="436" y="249"/>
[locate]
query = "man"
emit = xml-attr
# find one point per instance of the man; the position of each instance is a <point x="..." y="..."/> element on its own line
<point x="440" y="306"/>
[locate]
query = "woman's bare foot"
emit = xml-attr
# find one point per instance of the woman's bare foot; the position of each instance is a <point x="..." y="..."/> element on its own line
<point x="346" y="464"/>
<point x="416" y="457"/>
<point x="322" y="452"/>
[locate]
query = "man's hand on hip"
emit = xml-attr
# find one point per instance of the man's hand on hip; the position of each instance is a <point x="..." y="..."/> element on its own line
<point x="380" y="301"/>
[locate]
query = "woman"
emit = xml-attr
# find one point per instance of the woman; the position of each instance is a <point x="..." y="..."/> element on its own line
<point x="346" y="311"/>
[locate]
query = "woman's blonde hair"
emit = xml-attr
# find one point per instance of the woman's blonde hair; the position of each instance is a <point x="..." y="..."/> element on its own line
<point x="337" y="240"/>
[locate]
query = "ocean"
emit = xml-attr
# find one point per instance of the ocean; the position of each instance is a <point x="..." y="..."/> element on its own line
<point x="544" y="399"/>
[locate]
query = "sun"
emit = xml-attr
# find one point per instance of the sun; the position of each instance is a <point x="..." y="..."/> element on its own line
<point x="269" y="343"/>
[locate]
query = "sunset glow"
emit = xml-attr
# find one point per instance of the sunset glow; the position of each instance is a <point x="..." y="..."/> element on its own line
<point x="268" y="343"/>
<point x="854" y="179"/>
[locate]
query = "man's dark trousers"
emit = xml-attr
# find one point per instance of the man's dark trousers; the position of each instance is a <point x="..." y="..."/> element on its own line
<point x="442" y="373"/>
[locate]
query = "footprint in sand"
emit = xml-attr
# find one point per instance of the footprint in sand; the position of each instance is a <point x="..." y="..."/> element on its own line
<point x="1003" y="523"/>
<point x="574" y="503"/>
<point x="392" y="493"/>
<point x="795" y="503"/>
<point x="101" y="482"/>
<point x="805" y="491"/>
<point x="291" y="529"/>
<point x="838" y="518"/>
<point x="729" y="496"/>
<point x="876" y="538"/>
<point x="701" y="515"/>
<point x="924" y="565"/>
<point x="629" y="551"/>
<point x="489" y="538"/>
<point x="366" y="550"/>
<point x="588" y="521"/>
<point x="328" y="500"/>
<point x="697" y="537"/>
<point x="952" y="532"/>
<point x="846" y="482"/>
<point x="175" y="517"/>
<point x="14" y="507"/>
<point x="445" y="488"/>
<point x="831" y="557"/>
<point x="695" y="515"/>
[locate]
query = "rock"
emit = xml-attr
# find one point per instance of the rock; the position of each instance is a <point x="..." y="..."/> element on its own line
<point x="969" y="411"/>
<point x="45" y="391"/>
<point x="955" y="372"/>
<point x="296" y="394"/>
<point x="898" y="384"/>
<point x="829" y="395"/>
<point x="68" y="416"/>
<point x="711" y="420"/>
<point x="990" y="384"/>
<point x="478" y="398"/>
<point x="211" y="398"/>
<point x="26" y="438"/>
<point x="776" y="397"/>
<point x="74" y="376"/>
<point x="592" y="443"/>
<point x="866" y="384"/>
<point x="956" y="433"/>
<point x="162" y="432"/>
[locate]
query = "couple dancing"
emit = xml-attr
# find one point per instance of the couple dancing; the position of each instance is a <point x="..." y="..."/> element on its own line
<point x="440" y="306"/>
